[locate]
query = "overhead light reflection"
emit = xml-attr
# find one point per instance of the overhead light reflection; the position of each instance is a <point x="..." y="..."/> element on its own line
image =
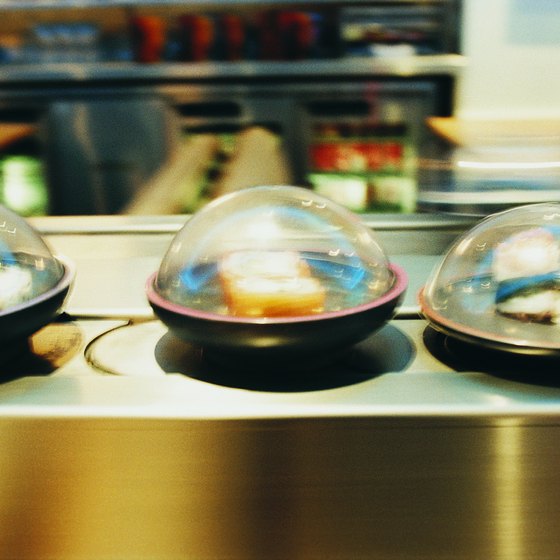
<point x="508" y="164"/>
<point x="509" y="514"/>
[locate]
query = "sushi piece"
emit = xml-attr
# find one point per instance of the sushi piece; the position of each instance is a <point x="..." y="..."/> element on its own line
<point x="270" y="284"/>
<point x="15" y="285"/>
<point x="526" y="267"/>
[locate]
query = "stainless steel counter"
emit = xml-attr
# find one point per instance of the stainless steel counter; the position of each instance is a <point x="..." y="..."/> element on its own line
<point x="120" y="442"/>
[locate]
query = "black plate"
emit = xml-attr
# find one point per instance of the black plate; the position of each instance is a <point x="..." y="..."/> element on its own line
<point x="20" y="321"/>
<point x="469" y="314"/>
<point x="284" y="339"/>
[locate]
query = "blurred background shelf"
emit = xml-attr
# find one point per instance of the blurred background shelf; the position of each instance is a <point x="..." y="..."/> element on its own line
<point x="436" y="65"/>
<point x="63" y="4"/>
<point x="327" y="79"/>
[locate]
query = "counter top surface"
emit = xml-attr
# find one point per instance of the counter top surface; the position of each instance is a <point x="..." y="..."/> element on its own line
<point x="109" y="357"/>
<point x="116" y="373"/>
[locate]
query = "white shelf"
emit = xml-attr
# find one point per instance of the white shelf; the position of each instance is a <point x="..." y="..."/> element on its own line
<point x="65" y="4"/>
<point x="51" y="4"/>
<point x="360" y="67"/>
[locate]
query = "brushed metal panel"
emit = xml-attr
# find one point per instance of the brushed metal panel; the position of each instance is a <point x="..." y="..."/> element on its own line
<point x="363" y="488"/>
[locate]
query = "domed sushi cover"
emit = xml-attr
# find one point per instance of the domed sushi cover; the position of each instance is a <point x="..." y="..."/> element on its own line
<point x="272" y="268"/>
<point x="499" y="283"/>
<point x="33" y="282"/>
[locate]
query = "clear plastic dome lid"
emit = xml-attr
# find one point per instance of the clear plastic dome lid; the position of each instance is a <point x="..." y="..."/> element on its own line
<point x="499" y="283"/>
<point x="28" y="269"/>
<point x="267" y="252"/>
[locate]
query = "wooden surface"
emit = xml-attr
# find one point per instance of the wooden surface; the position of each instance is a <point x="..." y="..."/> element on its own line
<point x="461" y="132"/>
<point x="11" y="132"/>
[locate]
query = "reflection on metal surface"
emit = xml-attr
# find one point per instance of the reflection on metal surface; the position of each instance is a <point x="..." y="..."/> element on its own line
<point x="508" y="494"/>
<point x="468" y="356"/>
<point x="55" y="350"/>
<point x="42" y="354"/>
<point x="49" y="349"/>
<point x="148" y="349"/>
